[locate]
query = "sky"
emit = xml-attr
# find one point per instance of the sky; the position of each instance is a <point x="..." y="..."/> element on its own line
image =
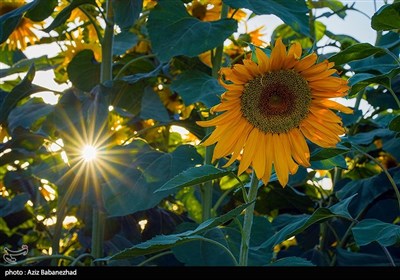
<point x="355" y="24"/>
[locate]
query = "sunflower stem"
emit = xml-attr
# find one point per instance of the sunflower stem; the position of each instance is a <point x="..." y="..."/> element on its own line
<point x="394" y="96"/>
<point x="207" y="189"/>
<point x="106" y="47"/>
<point x="98" y="221"/>
<point x="248" y="221"/>
<point x="98" y="225"/>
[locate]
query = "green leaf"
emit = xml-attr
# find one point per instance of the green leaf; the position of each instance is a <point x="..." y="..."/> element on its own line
<point x="370" y="230"/>
<point x="84" y="70"/>
<point x="194" y="176"/>
<point x="203" y="253"/>
<point x="42" y="10"/>
<point x="293" y="13"/>
<point x="275" y="197"/>
<point x="387" y="17"/>
<point x="174" y="32"/>
<point x="152" y="106"/>
<point x="325" y="153"/>
<point x="301" y="222"/>
<point x="62" y="16"/>
<point x="163" y="242"/>
<point x="289" y="35"/>
<point x="28" y="114"/>
<point x="360" y="81"/>
<point x="395" y="124"/>
<point x="23" y="65"/>
<point x="195" y="86"/>
<point x="365" y="138"/>
<point x="10" y="206"/>
<point x="291" y="261"/>
<point x="20" y="91"/>
<point x="126" y="12"/>
<point x="146" y="170"/>
<point x="125" y="95"/>
<point x="9" y="21"/>
<point x="335" y="5"/>
<point x="329" y="163"/>
<point x="348" y="258"/>
<point x="368" y="189"/>
<point x="355" y="52"/>
<point x="123" y="41"/>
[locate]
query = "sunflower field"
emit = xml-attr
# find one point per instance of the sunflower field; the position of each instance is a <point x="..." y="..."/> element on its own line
<point x="181" y="136"/>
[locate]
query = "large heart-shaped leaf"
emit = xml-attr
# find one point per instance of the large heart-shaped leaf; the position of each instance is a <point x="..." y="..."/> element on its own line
<point x="293" y="13"/>
<point x="174" y="32"/>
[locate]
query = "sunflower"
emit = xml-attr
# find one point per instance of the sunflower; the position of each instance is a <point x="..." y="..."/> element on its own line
<point x="271" y="106"/>
<point x="22" y="34"/>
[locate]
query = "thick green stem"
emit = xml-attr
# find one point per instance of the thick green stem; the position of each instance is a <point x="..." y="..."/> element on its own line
<point x="207" y="189"/>
<point x="106" y="47"/>
<point x="248" y="221"/>
<point x="98" y="221"/>
<point x="394" y="96"/>
<point x="98" y="224"/>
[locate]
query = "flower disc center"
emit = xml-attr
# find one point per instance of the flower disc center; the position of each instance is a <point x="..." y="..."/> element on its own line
<point x="276" y="102"/>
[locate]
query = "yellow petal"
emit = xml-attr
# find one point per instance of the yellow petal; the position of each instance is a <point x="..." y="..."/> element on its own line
<point x="251" y="67"/>
<point x="293" y="56"/>
<point x="249" y="150"/>
<point x="280" y="164"/>
<point x="221" y="119"/>
<point x="327" y="94"/>
<point x="263" y="61"/>
<point x="242" y="71"/>
<point x="316" y="137"/>
<point x="239" y="144"/>
<point x="228" y="140"/>
<point x="300" y="150"/>
<point x="306" y="62"/>
<point x="269" y="155"/>
<point x="233" y="76"/>
<point x="226" y="105"/>
<point x="259" y="157"/>
<point x="333" y="105"/>
<point x="278" y="55"/>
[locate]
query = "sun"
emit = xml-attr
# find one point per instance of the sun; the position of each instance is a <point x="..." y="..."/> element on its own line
<point x="89" y="153"/>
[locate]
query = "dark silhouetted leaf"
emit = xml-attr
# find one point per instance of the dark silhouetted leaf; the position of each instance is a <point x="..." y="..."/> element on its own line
<point x="62" y="16"/>
<point x="291" y="261"/>
<point x="84" y="70"/>
<point x="292" y="13"/>
<point x="174" y="32"/>
<point x="395" y="124"/>
<point x="355" y="52"/>
<point x="10" y="206"/>
<point x="152" y="107"/>
<point x="162" y="242"/>
<point x="10" y="20"/>
<point x="371" y="230"/>
<point x="126" y="12"/>
<point x="368" y="189"/>
<point x="133" y="189"/>
<point x="42" y="10"/>
<point x="28" y="113"/>
<point x="387" y="17"/>
<point x="194" y="176"/>
<point x="195" y="86"/>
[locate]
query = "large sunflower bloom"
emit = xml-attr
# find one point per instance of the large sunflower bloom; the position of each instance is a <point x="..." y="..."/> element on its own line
<point x="271" y="106"/>
<point x="22" y="34"/>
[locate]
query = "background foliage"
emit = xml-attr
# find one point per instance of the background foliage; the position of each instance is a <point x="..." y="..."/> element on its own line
<point x="151" y="176"/>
